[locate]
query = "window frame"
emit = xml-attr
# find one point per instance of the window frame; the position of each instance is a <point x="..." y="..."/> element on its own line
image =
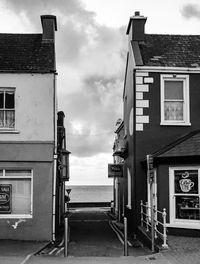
<point x="4" y="90"/>
<point x="186" y="100"/>
<point x="11" y="216"/>
<point x="173" y="221"/>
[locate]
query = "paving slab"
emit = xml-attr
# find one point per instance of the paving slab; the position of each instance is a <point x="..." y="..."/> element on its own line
<point x="151" y="259"/>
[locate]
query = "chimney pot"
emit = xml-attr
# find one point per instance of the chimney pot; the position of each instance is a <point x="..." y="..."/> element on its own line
<point x="137" y="13"/>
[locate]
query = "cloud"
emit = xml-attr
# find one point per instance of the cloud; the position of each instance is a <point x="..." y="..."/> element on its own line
<point x="91" y="65"/>
<point x="93" y="113"/>
<point x="191" y="11"/>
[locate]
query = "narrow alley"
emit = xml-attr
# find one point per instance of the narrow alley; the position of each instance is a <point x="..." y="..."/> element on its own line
<point x="93" y="233"/>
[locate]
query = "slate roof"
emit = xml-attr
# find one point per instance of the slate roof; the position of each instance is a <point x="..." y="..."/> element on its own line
<point x="26" y="53"/>
<point x="171" y="50"/>
<point x="188" y="145"/>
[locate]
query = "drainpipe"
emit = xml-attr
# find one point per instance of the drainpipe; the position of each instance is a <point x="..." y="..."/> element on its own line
<point x="54" y="197"/>
<point x="134" y="151"/>
<point x="55" y="157"/>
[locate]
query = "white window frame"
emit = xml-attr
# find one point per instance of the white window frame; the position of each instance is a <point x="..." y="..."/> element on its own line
<point x="174" y="222"/>
<point x="4" y="90"/>
<point x="129" y="189"/>
<point x="186" y="100"/>
<point x="4" y="177"/>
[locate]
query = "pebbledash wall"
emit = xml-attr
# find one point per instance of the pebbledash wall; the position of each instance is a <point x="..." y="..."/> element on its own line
<point x="26" y="158"/>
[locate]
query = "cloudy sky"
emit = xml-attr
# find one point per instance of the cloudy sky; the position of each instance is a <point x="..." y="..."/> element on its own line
<point x="91" y="47"/>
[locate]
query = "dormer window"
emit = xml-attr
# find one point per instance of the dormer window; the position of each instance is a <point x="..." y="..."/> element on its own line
<point x="7" y="108"/>
<point x="175" y="100"/>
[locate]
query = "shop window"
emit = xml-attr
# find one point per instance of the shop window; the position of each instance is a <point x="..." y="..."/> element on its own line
<point x="185" y="194"/>
<point x="175" y="100"/>
<point x="15" y="193"/>
<point x="7" y="108"/>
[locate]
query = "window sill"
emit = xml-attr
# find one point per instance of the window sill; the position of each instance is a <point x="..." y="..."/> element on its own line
<point x="175" y="124"/>
<point x="191" y="224"/>
<point x="10" y="216"/>
<point x="3" y="131"/>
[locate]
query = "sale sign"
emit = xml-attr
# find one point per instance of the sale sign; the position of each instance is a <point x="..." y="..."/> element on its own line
<point x="5" y="198"/>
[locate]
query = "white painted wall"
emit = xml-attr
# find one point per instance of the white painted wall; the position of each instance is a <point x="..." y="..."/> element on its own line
<point x="34" y="105"/>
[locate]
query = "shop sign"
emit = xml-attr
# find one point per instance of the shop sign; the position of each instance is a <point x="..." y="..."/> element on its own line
<point x="5" y="198"/>
<point x="115" y="170"/>
<point x="150" y="169"/>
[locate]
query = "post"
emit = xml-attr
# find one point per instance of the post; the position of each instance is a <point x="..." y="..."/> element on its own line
<point x="125" y="238"/>
<point x="66" y="237"/>
<point x="164" y="245"/>
<point x="147" y="216"/>
<point x="152" y="218"/>
<point x="141" y="208"/>
<point x="155" y="222"/>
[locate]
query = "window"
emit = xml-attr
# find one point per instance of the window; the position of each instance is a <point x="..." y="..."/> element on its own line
<point x="184" y="195"/>
<point x="15" y="193"/>
<point x="175" y="100"/>
<point x="7" y="108"/>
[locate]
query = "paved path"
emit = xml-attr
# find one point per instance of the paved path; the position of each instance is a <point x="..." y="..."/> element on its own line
<point x="94" y="241"/>
<point x="92" y="235"/>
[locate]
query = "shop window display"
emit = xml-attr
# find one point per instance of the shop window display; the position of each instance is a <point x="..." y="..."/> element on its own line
<point x="186" y="194"/>
<point x="15" y="193"/>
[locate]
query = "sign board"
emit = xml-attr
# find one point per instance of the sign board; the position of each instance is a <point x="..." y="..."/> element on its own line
<point x="5" y="198"/>
<point x="115" y="170"/>
<point x="150" y="169"/>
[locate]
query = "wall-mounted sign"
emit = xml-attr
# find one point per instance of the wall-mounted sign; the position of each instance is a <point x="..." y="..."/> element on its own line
<point x="115" y="170"/>
<point x="5" y="198"/>
<point x="150" y="169"/>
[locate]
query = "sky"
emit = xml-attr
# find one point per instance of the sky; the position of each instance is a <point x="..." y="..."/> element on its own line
<point x="91" y="46"/>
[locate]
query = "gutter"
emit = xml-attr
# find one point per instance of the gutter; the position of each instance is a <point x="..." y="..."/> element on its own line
<point x="167" y="69"/>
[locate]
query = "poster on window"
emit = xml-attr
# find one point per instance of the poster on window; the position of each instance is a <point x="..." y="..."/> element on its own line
<point x="5" y="198"/>
<point x="186" y="181"/>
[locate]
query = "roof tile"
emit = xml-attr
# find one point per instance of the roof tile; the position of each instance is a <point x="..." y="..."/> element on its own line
<point x="171" y="50"/>
<point x="26" y="53"/>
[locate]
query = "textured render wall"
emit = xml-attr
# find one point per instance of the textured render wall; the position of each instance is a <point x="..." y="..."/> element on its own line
<point x="39" y="227"/>
<point x="34" y="101"/>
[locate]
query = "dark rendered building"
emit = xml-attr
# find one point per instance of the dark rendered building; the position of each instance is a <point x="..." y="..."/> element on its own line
<point x="162" y="119"/>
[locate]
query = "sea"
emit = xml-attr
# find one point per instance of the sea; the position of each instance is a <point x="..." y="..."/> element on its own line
<point x="90" y="193"/>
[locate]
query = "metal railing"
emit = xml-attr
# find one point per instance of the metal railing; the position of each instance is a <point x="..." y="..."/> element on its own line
<point x="160" y="228"/>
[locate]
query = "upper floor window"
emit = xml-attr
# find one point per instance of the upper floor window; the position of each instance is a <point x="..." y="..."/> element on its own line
<point x="175" y="100"/>
<point x="7" y="108"/>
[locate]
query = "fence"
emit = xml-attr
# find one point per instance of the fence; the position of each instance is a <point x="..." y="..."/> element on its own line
<point x="159" y="222"/>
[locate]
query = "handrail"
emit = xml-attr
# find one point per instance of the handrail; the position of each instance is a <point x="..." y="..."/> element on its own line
<point x="146" y="222"/>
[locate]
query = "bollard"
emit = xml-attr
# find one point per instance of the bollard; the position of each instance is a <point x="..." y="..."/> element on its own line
<point x="66" y="237"/>
<point x="125" y="238"/>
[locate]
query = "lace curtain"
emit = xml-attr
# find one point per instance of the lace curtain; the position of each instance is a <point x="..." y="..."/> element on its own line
<point x="173" y="110"/>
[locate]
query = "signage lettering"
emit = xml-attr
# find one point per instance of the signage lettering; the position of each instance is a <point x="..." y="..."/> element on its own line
<point x="5" y="198"/>
<point x="115" y="170"/>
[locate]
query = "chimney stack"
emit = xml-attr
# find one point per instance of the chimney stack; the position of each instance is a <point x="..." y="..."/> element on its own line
<point x="49" y="26"/>
<point x="136" y="27"/>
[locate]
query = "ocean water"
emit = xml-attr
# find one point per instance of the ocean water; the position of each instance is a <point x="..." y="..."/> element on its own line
<point x="90" y="193"/>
